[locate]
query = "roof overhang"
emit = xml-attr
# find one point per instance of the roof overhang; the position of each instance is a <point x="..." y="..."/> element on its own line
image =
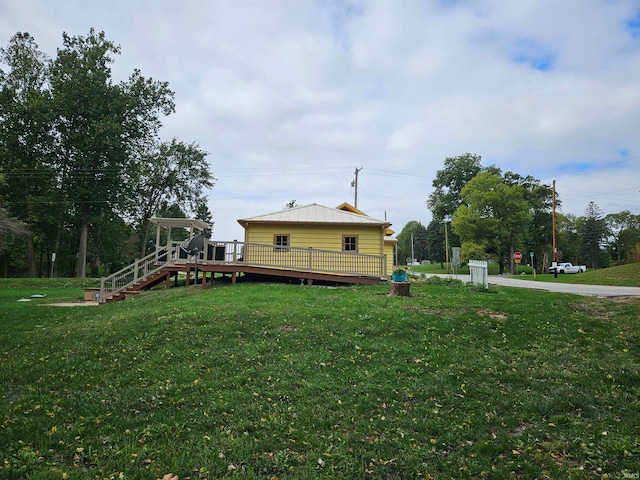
<point x="181" y="223"/>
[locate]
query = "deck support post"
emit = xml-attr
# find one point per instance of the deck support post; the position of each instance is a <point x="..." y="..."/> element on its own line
<point x="233" y="278"/>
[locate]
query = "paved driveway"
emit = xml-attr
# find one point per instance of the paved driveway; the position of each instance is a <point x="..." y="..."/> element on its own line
<point x="594" y="290"/>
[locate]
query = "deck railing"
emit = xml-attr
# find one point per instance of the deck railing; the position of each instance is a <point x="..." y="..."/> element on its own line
<point x="134" y="273"/>
<point x="246" y="254"/>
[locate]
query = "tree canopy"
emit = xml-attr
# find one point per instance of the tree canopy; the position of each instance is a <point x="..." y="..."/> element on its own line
<point x="494" y="213"/>
<point x="412" y="240"/>
<point x="81" y="153"/>
<point x="449" y="182"/>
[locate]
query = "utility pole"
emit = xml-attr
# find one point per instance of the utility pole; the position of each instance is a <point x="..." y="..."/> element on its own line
<point x="355" y="184"/>
<point x="555" y="247"/>
<point x="446" y="245"/>
<point x="412" y="254"/>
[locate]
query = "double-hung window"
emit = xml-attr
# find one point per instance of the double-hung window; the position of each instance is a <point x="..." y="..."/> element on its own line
<point x="349" y="244"/>
<point x="281" y="243"/>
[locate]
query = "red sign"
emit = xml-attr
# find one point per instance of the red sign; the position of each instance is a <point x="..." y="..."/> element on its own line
<point x="517" y="256"/>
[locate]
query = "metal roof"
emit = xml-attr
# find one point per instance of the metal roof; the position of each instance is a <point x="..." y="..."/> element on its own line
<point x="314" y="214"/>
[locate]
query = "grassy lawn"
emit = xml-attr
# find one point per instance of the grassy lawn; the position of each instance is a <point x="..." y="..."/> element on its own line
<point x="463" y="269"/>
<point x="292" y="382"/>
<point x="624" y="275"/>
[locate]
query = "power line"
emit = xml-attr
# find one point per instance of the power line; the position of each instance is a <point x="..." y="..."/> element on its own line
<point x="604" y="167"/>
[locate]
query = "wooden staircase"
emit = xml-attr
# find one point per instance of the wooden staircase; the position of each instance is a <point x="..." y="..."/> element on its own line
<point x="141" y="274"/>
<point x="144" y="284"/>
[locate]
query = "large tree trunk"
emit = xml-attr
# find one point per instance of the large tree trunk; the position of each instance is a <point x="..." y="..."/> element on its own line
<point x="31" y="257"/>
<point x="95" y="265"/>
<point x="82" y="249"/>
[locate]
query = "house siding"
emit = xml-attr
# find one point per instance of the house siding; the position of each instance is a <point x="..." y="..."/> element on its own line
<point x="326" y="237"/>
<point x="389" y="252"/>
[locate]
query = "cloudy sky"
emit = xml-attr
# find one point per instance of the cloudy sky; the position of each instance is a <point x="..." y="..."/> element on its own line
<point x="289" y="97"/>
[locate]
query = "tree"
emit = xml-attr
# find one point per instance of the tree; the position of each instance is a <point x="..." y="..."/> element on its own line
<point x="538" y="238"/>
<point x="473" y="251"/>
<point x="112" y="244"/>
<point x="568" y="238"/>
<point x="9" y="227"/>
<point x="495" y="213"/>
<point x="436" y="242"/>
<point x="623" y="231"/>
<point x="98" y="124"/>
<point x="415" y="231"/>
<point x="26" y="143"/>
<point x="593" y="231"/>
<point x="449" y="182"/>
<point x="170" y="173"/>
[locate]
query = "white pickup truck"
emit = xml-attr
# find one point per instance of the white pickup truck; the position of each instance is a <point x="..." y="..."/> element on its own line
<point x="567" y="267"/>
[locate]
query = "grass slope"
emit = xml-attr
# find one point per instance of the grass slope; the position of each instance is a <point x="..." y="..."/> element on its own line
<point x="290" y="382"/>
<point x="624" y="275"/>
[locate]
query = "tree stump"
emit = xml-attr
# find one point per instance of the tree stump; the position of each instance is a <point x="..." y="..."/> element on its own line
<point x="400" y="289"/>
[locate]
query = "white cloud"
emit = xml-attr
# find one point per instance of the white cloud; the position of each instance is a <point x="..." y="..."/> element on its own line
<point x="288" y="97"/>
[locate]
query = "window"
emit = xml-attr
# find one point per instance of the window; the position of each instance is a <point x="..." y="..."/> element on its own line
<point x="281" y="243"/>
<point x="349" y="244"/>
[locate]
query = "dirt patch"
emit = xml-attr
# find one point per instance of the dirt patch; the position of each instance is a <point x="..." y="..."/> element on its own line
<point x="70" y="304"/>
<point x="287" y="328"/>
<point x="494" y="315"/>
<point x="432" y="311"/>
<point x="597" y="310"/>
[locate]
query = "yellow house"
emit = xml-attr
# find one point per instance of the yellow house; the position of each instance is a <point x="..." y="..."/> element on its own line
<point x="343" y="229"/>
<point x="389" y="241"/>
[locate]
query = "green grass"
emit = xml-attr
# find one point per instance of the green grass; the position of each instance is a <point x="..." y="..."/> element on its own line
<point x="624" y="275"/>
<point x="434" y="268"/>
<point x="54" y="290"/>
<point x="291" y="382"/>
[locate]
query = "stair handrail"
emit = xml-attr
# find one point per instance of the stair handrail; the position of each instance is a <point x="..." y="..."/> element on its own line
<point x="136" y="272"/>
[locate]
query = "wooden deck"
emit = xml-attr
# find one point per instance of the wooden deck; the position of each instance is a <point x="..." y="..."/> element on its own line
<point x="241" y="260"/>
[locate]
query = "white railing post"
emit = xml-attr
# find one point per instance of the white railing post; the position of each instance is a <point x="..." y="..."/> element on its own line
<point x="135" y="271"/>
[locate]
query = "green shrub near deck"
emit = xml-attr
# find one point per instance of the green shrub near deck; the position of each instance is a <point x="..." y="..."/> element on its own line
<point x="281" y="381"/>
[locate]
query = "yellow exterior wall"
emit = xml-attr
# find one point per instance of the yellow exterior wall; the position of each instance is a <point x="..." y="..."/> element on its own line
<point x="327" y="237"/>
<point x="389" y="252"/>
<point x="321" y="237"/>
